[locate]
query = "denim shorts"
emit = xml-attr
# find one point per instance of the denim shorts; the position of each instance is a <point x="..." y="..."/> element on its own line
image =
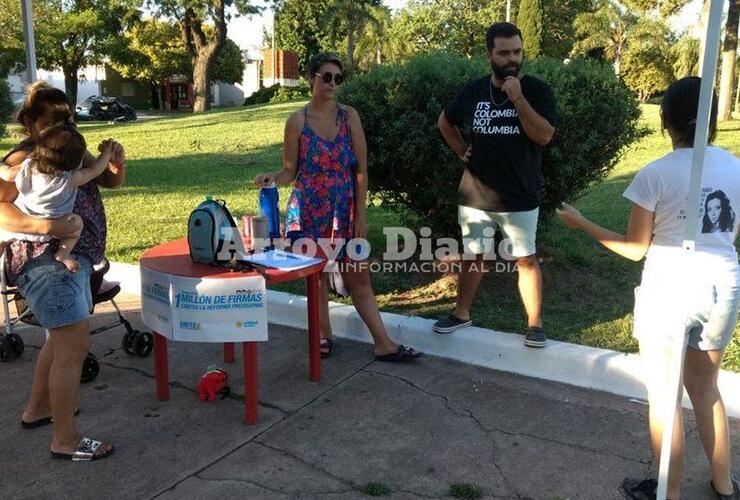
<point x="56" y="296"/>
<point x="709" y="321"/>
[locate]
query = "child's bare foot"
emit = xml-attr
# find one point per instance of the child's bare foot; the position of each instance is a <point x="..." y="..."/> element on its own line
<point x="68" y="262"/>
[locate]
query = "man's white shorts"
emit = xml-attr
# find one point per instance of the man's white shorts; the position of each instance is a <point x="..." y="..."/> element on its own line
<point x="478" y="227"/>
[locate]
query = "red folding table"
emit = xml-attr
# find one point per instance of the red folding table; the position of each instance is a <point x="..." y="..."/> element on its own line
<point x="173" y="258"/>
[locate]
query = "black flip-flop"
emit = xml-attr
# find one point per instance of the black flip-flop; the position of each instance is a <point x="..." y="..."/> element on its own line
<point x="41" y="422"/>
<point x="403" y="355"/>
<point x="85" y="451"/>
<point x="732" y="496"/>
<point x="326" y="346"/>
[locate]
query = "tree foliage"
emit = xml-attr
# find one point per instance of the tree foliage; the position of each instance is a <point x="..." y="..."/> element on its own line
<point x="647" y="66"/>
<point x="6" y="106"/>
<point x="605" y="30"/>
<point x="11" y="37"/>
<point x="71" y="35"/>
<point x="558" y="34"/>
<point x="378" y="43"/>
<point x="529" y="21"/>
<point x="450" y="25"/>
<point x="307" y="28"/>
<point x="152" y="50"/>
<point x="659" y="8"/>
<point x="229" y="65"/>
<point x="300" y="28"/>
<point x="685" y="55"/>
<point x="351" y="17"/>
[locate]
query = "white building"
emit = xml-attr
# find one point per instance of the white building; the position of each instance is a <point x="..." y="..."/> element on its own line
<point x="89" y="83"/>
<point x="92" y="82"/>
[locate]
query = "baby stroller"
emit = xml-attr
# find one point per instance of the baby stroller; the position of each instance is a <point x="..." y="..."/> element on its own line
<point x="134" y="342"/>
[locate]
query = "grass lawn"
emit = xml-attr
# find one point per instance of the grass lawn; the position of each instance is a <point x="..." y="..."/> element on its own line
<point x="175" y="161"/>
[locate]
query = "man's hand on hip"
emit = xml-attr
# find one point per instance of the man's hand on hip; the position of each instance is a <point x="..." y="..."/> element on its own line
<point x="465" y="157"/>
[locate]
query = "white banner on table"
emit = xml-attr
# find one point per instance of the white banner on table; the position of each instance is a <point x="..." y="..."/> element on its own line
<point x="155" y="302"/>
<point x="218" y="310"/>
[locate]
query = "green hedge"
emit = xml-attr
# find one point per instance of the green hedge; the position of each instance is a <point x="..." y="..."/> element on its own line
<point x="276" y="93"/>
<point x="285" y="94"/>
<point x="263" y="95"/>
<point x="6" y="106"/>
<point x="412" y="169"/>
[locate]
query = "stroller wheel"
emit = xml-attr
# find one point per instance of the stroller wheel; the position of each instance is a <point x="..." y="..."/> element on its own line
<point x="90" y="369"/>
<point x="127" y="342"/>
<point x="143" y="343"/>
<point x="16" y="344"/>
<point x="5" y="348"/>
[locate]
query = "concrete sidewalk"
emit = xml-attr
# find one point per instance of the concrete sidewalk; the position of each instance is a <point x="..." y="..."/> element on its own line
<point x="416" y="429"/>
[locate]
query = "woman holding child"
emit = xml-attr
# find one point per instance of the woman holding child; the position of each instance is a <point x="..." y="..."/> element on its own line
<point x="59" y="297"/>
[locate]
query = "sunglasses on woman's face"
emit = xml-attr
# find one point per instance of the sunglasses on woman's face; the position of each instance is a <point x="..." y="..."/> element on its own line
<point x="326" y="77"/>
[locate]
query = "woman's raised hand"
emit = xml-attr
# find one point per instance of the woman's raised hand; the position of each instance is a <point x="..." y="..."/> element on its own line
<point x="570" y="216"/>
<point x="118" y="154"/>
<point x="265" y="180"/>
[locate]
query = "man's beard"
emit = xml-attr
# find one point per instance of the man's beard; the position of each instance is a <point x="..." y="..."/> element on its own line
<point x="501" y="72"/>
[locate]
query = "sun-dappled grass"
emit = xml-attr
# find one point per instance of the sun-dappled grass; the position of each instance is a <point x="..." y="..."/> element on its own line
<point x="174" y="162"/>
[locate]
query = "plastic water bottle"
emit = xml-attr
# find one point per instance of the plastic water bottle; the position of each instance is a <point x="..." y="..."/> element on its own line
<point x="269" y="208"/>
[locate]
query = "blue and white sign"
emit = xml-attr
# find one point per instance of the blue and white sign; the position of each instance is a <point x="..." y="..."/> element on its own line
<point x="218" y="310"/>
<point x="155" y="302"/>
<point x="205" y="310"/>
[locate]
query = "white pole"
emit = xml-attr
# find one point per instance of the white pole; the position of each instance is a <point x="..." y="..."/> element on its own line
<point x="29" y="40"/>
<point x="508" y="11"/>
<point x="708" y="70"/>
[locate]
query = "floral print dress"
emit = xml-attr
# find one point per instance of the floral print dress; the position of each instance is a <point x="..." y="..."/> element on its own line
<point x="322" y="204"/>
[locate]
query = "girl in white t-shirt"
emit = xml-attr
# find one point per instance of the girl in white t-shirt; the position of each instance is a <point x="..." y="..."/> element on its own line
<point x="698" y="292"/>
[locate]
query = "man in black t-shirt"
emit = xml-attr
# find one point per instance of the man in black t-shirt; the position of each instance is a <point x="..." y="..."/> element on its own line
<point x="511" y="117"/>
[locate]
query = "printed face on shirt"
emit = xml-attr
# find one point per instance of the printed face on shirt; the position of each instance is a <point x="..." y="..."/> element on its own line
<point x="719" y="217"/>
<point x="714" y="208"/>
<point x="506" y="57"/>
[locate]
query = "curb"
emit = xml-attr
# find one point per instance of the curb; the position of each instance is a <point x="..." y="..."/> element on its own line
<point x="572" y="364"/>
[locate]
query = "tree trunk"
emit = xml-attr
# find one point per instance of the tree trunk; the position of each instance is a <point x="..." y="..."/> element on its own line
<point x="702" y="38"/>
<point x="351" y="38"/>
<point x="70" y="84"/>
<point x="203" y="50"/>
<point x="202" y="81"/>
<point x="350" y="49"/>
<point x="157" y="94"/>
<point x="729" y="53"/>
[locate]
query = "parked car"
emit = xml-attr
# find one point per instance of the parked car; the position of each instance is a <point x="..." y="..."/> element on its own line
<point x="99" y="108"/>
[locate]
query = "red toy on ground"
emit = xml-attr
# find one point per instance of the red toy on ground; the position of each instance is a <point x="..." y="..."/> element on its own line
<point x="213" y="382"/>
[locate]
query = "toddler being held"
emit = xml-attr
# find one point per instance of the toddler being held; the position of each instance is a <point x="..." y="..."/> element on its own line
<point x="48" y="179"/>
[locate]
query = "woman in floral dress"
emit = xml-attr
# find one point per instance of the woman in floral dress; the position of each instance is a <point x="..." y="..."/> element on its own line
<point x="325" y="154"/>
